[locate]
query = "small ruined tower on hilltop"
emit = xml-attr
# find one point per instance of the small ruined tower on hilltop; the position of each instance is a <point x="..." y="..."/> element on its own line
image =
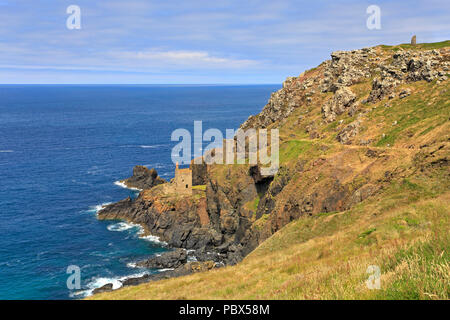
<point x="183" y="180"/>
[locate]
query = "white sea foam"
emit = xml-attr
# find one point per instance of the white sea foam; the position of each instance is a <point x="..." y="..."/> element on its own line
<point x="167" y="269"/>
<point x="101" y="206"/>
<point x="152" y="147"/>
<point x="132" y="265"/>
<point x="6" y="151"/>
<point x="165" y="174"/>
<point x="123" y="185"/>
<point x="156" y="165"/>
<point x="150" y="238"/>
<point x="94" y="170"/>
<point x="121" y="226"/>
<point x="191" y="259"/>
<point x="154" y="239"/>
<point x="101" y="281"/>
<point x="97" y="208"/>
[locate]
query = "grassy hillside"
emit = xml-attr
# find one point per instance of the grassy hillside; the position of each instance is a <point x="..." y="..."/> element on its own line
<point x="399" y="153"/>
<point x="404" y="231"/>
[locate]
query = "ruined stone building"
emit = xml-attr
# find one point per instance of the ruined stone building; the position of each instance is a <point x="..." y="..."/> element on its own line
<point x="183" y="180"/>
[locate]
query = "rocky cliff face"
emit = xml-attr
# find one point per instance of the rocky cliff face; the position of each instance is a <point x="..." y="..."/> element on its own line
<point x="175" y="219"/>
<point x="214" y="221"/>
<point x="228" y="193"/>
<point x="329" y="178"/>
<point x="348" y="128"/>
<point x="199" y="173"/>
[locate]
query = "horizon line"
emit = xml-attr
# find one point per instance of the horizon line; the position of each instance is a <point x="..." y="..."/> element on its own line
<point x="138" y="84"/>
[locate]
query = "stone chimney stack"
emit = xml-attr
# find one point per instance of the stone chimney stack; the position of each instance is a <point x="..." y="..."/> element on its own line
<point x="176" y="166"/>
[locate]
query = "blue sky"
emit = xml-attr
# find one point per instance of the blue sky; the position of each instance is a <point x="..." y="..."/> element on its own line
<point x="190" y="41"/>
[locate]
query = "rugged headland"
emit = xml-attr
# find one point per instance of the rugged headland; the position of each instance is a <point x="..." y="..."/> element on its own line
<point x="363" y="180"/>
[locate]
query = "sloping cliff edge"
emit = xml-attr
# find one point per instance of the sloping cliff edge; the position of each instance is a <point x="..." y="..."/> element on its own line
<point x="350" y="129"/>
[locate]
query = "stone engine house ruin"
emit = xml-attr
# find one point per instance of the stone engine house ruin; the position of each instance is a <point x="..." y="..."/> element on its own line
<point x="183" y="180"/>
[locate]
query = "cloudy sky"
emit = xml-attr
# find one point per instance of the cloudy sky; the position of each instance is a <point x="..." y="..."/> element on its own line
<point x="197" y="41"/>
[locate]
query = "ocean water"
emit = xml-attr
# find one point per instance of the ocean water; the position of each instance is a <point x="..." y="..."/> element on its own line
<point x="61" y="150"/>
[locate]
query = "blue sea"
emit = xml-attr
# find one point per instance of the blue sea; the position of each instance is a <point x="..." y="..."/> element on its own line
<point x="62" y="148"/>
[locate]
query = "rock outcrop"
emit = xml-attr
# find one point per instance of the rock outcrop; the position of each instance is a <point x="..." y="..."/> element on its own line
<point x="382" y="88"/>
<point x="348" y="132"/>
<point x="167" y="260"/>
<point x="340" y="103"/>
<point x="143" y="178"/>
<point x="347" y="68"/>
<point x="409" y="66"/>
<point x="295" y="93"/>
<point x="176" y="220"/>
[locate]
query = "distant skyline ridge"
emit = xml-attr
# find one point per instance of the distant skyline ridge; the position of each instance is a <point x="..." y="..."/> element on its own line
<point x="197" y="42"/>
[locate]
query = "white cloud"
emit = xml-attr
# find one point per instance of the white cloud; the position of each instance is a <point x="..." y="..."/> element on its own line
<point x="183" y="58"/>
<point x="129" y="61"/>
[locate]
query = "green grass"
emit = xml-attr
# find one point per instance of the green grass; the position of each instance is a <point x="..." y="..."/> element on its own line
<point x="403" y="229"/>
<point x="413" y="112"/>
<point x="255" y="203"/>
<point x="290" y="150"/>
<point x="412" y="222"/>
<point x="421" y="46"/>
<point x="410" y="185"/>
<point x="422" y="270"/>
<point x="259" y="224"/>
<point x="317" y="258"/>
<point x="390" y="138"/>
<point x="366" y="233"/>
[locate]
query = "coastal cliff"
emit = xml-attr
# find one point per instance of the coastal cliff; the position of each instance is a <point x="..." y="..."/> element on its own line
<point x="358" y="128"/>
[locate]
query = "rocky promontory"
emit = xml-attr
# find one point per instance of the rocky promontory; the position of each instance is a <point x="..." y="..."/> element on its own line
<point x="143" y="178"/>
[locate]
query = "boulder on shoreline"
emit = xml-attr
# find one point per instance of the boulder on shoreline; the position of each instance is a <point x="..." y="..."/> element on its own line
<point x="167" y="260"/>
<point x="106" y="288"/>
